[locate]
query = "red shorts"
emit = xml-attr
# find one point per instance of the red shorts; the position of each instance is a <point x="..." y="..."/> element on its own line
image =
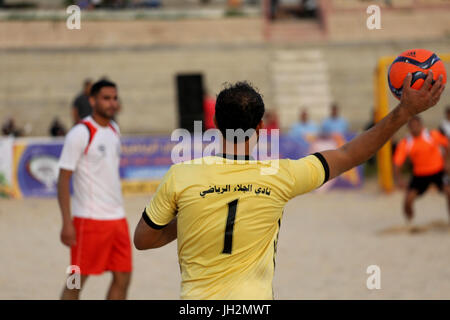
<point x="102" y="245"/>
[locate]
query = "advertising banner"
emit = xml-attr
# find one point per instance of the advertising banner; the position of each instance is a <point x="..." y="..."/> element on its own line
<point x="36" y="167"/>
<point x="6" y="167"/>
<point x="144" y="161"/>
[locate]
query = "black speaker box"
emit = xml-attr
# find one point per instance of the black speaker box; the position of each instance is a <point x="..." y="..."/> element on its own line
<point x="190" y="100"/>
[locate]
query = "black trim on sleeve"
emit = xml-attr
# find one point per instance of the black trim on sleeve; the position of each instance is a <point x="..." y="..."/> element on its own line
<point x="234" y="156"/>
<point x="325" y="165"/>
<point x="149" y="222"/>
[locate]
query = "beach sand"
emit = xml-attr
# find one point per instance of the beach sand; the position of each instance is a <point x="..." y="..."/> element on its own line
<point x="326" y="243"/>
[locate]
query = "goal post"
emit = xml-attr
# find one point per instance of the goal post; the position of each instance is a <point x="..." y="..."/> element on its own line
<point x="381" y="96"/>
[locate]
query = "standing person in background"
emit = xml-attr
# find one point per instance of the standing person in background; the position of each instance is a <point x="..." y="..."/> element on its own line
<point x="445" y="124"/>
<point x="98" y="234"/>
<point x="273" y="8"/>
<point x="305" y="128"/>
<point x="309" y="7"/>
<point x="9" y="128"/>
<point x="335" y="123"/>
<point x="81" y="107"/>
<point x="271" y="121"/>
<point x="57" y="129"/>
<point x="425" y="150"/>
<point x="209" y="105"/>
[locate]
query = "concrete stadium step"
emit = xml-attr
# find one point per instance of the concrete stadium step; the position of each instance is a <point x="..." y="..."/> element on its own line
<point x="316" y="112"/>
<point x="289" y="101"/>
<point x="294" y="66"/>
<point x="287" y="55"/>
<point x="292" y="31"/>
<point x="294" y="85"/>
<point x="300" y="80"/>
<point x="307" y="94"/>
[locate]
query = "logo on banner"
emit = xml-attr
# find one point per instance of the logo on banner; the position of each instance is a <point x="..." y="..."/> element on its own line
<point x="6" y="158"/>
<point x="44" y="168"/>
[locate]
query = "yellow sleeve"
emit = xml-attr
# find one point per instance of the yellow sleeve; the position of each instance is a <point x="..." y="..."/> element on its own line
<point x="163" y="206"/>
<point x="309" y="173"/>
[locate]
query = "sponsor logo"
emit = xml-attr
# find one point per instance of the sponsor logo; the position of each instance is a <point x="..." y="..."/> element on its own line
<point x="44" y="168"/>
<point x="411" y="54"/>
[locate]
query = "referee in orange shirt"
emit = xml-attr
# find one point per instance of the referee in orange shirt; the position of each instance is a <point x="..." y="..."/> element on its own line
<point x="428" y="152"/>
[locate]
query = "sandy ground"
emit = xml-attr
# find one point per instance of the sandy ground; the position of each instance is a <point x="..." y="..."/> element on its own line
<point x="326" y="243"/>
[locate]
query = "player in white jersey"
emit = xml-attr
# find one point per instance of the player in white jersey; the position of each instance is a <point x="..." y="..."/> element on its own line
<point x="94" y="224"/>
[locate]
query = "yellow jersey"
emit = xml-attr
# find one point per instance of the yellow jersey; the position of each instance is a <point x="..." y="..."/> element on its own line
<point x="228" y="218"/>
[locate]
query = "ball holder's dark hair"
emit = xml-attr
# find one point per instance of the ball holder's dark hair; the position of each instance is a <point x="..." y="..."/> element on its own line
<point x="96" y="87"/>
<point x="239" y="106"/>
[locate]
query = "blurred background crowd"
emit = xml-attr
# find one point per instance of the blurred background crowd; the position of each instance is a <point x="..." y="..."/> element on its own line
<point x="313" y="61"/>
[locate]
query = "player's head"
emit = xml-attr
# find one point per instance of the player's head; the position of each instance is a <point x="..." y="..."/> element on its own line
<point x="304" y="116"/>
<point x="103" y="98"/>
<point x="239" y="106"/>
<point x="270" y="117"/>
<point x="415" y="126"/>
<point x="334" y="110"/>
<point x="447" y="112"/>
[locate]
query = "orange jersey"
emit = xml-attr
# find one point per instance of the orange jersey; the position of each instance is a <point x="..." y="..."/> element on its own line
<point x="424" y="151"/>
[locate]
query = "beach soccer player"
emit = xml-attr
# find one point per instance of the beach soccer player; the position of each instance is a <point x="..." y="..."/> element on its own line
<point x="427" y="151"/>
<point x="94" y="224"/>
<point x="226" y="212"/>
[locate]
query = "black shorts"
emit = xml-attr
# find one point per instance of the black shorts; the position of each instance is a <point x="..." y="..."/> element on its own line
<point x="421" y="183"/>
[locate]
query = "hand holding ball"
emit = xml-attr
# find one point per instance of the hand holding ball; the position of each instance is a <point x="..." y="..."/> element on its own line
<point x="418" y="62"/>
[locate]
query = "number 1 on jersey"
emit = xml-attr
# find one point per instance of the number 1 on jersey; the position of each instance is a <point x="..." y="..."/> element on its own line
<point x="228" y="241"/>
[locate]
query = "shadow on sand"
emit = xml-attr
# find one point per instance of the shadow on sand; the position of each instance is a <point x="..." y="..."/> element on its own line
<point x="439" y="226"/>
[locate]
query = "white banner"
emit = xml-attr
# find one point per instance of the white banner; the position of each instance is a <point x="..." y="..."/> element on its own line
<point x="6" y="166"/>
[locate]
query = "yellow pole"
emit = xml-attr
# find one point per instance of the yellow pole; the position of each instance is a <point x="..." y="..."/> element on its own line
<point x="444" y="57"/>
<point x="384" y="155"/>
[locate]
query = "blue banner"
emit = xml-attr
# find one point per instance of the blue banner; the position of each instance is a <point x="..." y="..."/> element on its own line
<point x="144" y="161"/>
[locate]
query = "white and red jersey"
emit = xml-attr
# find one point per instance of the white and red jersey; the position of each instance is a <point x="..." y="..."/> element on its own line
<point x="92" y="152"/>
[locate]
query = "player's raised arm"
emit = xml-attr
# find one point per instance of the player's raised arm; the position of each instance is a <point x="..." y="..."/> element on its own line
<point x="367" y="144"/>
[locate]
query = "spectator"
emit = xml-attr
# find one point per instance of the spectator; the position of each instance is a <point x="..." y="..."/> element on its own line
<point x="209" y="108"/>
<point x="309" y="7"/>
<point x="335" y="123"/>
<point x="9" y="128"/>
<point x="273" y="8"/>
<point x="271" y="121"/>
<point x="305" y="128"/>
<point x="57" y="129"/>
<point x="445" y="124"/>
<point x="81" y="107"/>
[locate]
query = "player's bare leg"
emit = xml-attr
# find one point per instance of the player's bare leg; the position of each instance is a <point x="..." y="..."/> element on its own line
<point x="447" y="194"/>
<point x="411" y="195"/>
<point x="73" y="294"/>
<point x="119" y="286"/>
